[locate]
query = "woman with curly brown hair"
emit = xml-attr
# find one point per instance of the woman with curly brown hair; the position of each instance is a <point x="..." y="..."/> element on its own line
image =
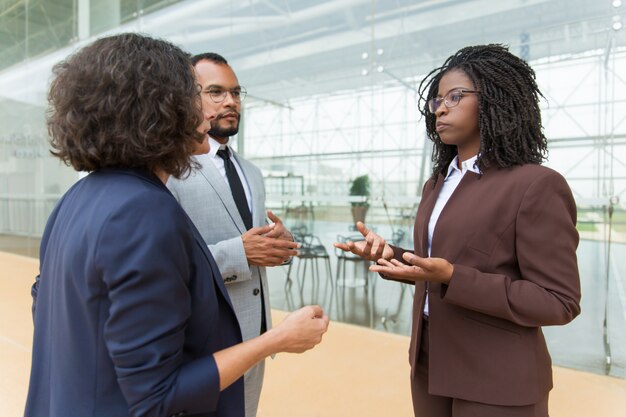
<point x="130" y="311"/>
<point x="495" y="244"/>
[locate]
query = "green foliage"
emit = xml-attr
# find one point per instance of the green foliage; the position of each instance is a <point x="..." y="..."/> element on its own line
<point x="360" y="186"/>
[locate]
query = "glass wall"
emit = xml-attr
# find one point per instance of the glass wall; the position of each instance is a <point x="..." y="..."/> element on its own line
<point x="331" y="98"/>
<point x="322" y="143"/>
<point x="34" y="35"/>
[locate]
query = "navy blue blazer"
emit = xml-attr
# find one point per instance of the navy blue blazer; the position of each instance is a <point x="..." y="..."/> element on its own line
<point x="129" y="308"/>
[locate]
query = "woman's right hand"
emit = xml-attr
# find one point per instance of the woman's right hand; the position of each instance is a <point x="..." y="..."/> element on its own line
<point x="297" y="333"/>
<point x="372" y="248"/>
<point x="301" y="330"/>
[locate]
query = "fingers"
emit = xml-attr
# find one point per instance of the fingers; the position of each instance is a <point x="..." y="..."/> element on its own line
<point x="391" y="263"/>
<point x="304" y="328"/>
<point x="311" y="311"/>
<point x="274" y="233"/>
<point x="264" y="243"/>
<point x="434" y="269"/>
<point x="374" y="244"/>
<point x="397" y="263"/>
<point x="385" y="262"/>
<point x="370" y="239"/>
<point x="262" y="230"/>
<point x="264" y="251"/>
<point x="378" y="248"/>
<point x="280" y="243"/>
<point x="362" y="229"/>
<point x="273" y="261"/>
<point x="361" y="248"/>
<point x="341" y="245"/>
<point x="273" y="217"/>
<point x="349" y="246"/>
<point x="377" y="269"/>
<point x="381" y="266"/>
<point x="394" y="271"/>
<point x="414" y="259"/>
<point x="279" y="229"/>
<point x="316" y="311"/>
<point x="375" y="249"/>
<point x="272" y="257"/>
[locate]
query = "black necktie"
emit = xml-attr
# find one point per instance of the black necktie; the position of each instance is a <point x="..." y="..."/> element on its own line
<point x="236" y="188"/>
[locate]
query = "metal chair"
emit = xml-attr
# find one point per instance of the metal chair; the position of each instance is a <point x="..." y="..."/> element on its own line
<point x="311" y="251"/>
<point x="343" y="258"/>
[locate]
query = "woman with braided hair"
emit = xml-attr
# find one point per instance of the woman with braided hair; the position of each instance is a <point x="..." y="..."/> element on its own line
<point x="495" y="244"/>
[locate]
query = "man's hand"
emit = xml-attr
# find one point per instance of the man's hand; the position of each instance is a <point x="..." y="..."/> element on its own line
<point x="280" y="231"/>
<point x="262" y="250"/>
<point x="419" y="269"/>
<point x="372" y="248"/>
<point x="301" y="330"/>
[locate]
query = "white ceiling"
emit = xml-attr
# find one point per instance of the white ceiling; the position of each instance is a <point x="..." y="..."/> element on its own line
<point x="283" y="49"/>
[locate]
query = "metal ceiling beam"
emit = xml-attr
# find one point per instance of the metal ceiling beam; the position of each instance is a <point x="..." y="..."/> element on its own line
<point x="13" y="7"/>
<point x="449" y="14"/>
<point x="295" y="56"/>
<point x="247" y="25"/>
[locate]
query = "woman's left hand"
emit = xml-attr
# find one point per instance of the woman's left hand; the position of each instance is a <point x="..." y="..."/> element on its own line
<point x="419" y="269"/>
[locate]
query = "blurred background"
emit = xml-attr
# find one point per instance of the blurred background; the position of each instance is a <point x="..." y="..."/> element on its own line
<point x="331" y="118"/>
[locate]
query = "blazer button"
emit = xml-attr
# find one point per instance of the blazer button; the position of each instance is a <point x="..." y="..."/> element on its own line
<point x="256" y="291"/>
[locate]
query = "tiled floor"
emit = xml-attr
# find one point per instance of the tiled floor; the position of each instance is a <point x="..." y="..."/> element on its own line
<point x="386" y="306"/>
<point x="356" y="371"/>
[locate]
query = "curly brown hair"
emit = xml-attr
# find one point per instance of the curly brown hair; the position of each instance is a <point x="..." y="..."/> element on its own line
<point x="125" y="101"/>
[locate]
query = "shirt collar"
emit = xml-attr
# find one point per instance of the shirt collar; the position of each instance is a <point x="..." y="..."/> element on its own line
<point x="467" y="165"/>
<point x="215" y="146"/>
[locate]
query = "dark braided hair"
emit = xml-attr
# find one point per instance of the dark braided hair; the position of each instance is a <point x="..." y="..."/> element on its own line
<point x="509" y="118"/>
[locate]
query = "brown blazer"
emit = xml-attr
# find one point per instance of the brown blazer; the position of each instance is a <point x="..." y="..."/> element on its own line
<point x="511" y="236"/>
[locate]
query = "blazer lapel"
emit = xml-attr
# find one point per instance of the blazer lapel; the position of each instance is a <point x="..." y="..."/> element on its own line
<point x="223" y="192"/>
<point x="429" y="206"/>
<point x="449" y="217"/>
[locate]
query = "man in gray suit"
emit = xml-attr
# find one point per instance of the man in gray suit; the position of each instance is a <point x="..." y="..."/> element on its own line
<point x="226" y="201"/>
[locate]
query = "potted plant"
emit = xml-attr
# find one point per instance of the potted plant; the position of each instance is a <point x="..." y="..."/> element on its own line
<point x="360" y="187"/>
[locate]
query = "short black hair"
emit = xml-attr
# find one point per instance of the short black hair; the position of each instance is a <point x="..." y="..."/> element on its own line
<point x="209" y="56"/>
<point x="125" y="101"/>
<point x="509" y="117"/>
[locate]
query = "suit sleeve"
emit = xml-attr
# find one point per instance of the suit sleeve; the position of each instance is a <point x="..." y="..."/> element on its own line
<point x="397" y="255"/>
<point x="231" y="259"/>
<point x="144" y="258"/>
<point x="229" y="254"/>
<point x="548" y="292"/>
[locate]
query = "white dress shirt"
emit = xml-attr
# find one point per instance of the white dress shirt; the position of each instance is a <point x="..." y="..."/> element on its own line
<point x="219" y="164"/>
<point x="450" y="182"/>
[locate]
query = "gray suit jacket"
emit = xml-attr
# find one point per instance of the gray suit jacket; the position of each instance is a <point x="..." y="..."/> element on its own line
<point x="207" y="199"/>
